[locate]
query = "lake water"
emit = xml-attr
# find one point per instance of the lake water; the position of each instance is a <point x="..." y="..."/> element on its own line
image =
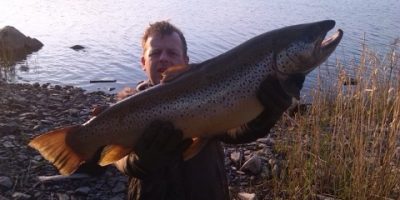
<point x="111" y="31"/>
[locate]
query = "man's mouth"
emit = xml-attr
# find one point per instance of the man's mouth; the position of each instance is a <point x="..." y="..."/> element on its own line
<point x="161" y="69"/>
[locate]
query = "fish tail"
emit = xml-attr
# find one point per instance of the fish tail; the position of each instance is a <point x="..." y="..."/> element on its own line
<point x="53" y="147"/>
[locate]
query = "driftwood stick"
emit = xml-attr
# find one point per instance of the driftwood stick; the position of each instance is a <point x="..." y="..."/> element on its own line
<point x="103" y="81"/>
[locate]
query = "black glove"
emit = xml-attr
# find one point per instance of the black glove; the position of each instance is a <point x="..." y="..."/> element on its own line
<point x="159" y="146"/>
<point x="275" y="101"/>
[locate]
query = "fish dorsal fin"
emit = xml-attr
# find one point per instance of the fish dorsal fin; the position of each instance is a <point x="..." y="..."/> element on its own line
<point x="194" y="148"/>
<point x="173" y="72"/>
<point x="113" y="153"/>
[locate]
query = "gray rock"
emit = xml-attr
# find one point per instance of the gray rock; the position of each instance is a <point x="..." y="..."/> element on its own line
<point x="253" y="165"/>
<point x="8" y="144"/>
<point x="14" y="45"/>
<point x="6" y="129"/>
<point x="268" y="141"/>
<point x="235" y="156"/>
<point x="83" y="190"/>
<point x="6" y="182"/>
<point x="62" y="196"/>
<point x="247" y="196"/>
<point x="3" y="198"/>
<point x="266" y="172"/>
<point x="20" y="195"/>
<point x="77" y="47"/>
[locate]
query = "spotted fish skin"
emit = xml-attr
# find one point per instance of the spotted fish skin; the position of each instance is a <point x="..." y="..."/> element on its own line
<point x="209" y="98"/>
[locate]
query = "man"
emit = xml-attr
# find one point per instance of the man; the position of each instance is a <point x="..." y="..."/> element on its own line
<point x="156" y="168"/>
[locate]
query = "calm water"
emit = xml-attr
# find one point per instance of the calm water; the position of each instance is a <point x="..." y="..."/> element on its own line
<point x="111" y="30"/>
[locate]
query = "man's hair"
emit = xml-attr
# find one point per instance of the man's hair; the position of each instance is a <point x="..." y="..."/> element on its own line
<point x="163" y="28"/>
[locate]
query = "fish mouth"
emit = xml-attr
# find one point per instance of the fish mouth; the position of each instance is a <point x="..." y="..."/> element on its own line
<point x="332" y="41"/>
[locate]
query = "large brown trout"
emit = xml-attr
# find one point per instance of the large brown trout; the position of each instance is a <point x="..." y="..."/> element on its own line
<point x="209" y="98"/>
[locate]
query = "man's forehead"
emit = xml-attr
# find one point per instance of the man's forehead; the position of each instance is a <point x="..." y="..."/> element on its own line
<point x="168" y="40"/>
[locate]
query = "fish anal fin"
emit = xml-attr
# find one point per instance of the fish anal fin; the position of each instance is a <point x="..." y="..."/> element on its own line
<point x="173" y="72"/>
<point x="113" y="153"/>
<point x="194" y="148"/>
<point x="53" y="147"/>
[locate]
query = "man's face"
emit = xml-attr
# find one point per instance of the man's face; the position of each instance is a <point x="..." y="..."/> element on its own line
<point x="161" y="52"/>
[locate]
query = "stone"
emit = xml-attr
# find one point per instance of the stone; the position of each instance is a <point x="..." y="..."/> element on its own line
<point x="3" y="198"/>
<point x="268" y="141"/>
<point x="6" y="182"/>
<point x="62" y="196"/>
<point x="8" y="144"/>
<point x="83" y="190"/>
<point x="253" y="165"/>
<point x="77" y="47"/>
<point x="20" y="195"/>
<point x="15" y="46"/>
<point x="235" y="156"/>
<point x="246" y="196"/>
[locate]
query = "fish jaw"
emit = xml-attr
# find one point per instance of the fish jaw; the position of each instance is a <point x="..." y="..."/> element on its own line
<point x="307" y="48"/>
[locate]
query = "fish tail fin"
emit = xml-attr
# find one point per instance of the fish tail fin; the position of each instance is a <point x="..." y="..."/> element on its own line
<point x="194" y="148"/>
<point x="53" y="147"/>
<point x="113" y="153"/>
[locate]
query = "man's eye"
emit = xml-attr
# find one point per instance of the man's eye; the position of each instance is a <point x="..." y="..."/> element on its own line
<point x="172" y="53"/>
<point x="154" y="53"/>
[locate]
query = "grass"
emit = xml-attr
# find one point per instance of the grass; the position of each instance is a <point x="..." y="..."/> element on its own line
<point x="344" y="146"/>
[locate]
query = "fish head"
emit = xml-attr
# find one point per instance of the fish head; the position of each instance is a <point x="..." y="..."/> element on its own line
<point x="304" y="47"/>
<point x="301" y="48"/>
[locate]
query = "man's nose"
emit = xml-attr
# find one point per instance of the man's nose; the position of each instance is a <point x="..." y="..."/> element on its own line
<point x="164" y="56"/>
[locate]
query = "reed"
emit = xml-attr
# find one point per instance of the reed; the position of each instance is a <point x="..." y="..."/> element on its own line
<point x="347" y="144"/>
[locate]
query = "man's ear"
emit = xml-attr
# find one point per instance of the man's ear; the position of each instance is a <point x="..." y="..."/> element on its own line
<point x="292" y="84"/>
<point x="143" y="62"/>
<point x="186" y="59"/>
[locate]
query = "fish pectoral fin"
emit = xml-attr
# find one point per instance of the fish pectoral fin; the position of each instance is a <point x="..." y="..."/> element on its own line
<point x="113" y="153"/>
<point x="173" y="72"/>
<point x="194" y="148"/>
<point x="53" y="147"/>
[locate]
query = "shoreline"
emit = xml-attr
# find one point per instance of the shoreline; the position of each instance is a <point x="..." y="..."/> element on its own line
<point x="27" y="110"/>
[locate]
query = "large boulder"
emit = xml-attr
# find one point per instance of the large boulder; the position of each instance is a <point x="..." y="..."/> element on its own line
<point x="15" y="46"/>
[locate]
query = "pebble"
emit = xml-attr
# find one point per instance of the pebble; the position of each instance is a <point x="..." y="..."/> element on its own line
<point x="20" y="195"/>
<point x="253" y="165"/>
<point x="8" y="144"/>
<point x="62" y="196"/>
<point x="3" y="197"/>
<point x="235" y="156"/>
<point x="6" y="182"/>
<point x="247" y="196"/>
<point x="83" y="190"/>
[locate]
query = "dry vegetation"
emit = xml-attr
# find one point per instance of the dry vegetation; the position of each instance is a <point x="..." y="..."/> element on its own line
<point x="347" y="145"/>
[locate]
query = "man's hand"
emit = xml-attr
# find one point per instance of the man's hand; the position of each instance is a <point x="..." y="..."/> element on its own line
<point x="273" y="97"/>
<point x="160" y="145"/>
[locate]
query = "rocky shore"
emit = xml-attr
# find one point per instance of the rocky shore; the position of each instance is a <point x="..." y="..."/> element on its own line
<point x="27" y="110"/>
